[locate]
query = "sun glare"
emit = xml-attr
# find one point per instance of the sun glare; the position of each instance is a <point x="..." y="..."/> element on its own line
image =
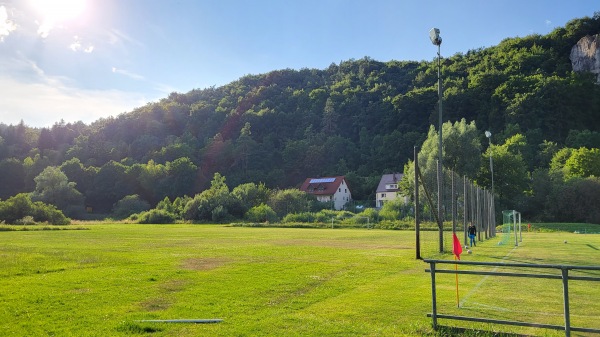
<point x="57" y="11"/>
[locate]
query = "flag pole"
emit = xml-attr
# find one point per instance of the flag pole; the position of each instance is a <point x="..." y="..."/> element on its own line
<point x="456" y="250"/>
<point x="456" y="275"/>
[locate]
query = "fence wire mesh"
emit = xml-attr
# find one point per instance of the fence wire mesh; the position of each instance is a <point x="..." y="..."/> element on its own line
<point x="462" y="203"/>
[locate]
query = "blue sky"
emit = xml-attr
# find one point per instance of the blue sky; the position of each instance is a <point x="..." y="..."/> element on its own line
<point x="80" y="60"/>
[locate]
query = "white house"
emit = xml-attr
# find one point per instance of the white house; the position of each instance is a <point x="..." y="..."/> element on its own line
<point x="387" y="189"/>
<point x="329" y="189"/>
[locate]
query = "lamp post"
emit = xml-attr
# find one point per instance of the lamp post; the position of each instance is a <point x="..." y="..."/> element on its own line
<point x="436" y="39"/>
<point x="489" y="137"/>
<point x="493" y="209"/>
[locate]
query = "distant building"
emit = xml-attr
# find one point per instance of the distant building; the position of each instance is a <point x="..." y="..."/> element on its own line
<point x="387" y="189"/>
<point x="328" y="189"/>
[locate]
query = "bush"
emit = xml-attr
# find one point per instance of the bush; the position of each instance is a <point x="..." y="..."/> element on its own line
<point x="20" y="207"/>
<point x="261" y="213"/>
<point x="49" y="213"/>
<point x="219" y="214"/>
<point x="26" y="220"/>
<point x="155" y="216"/>
<point x="130" y="204"/>
<point x="370" y="213"/>
<point x="299" y="217"/>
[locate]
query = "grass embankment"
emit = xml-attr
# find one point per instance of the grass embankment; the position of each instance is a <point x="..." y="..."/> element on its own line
<point x="266" y="282"/>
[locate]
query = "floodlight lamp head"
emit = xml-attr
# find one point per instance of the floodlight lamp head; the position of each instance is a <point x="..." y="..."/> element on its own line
<point x="434" y="36"/>
<point x="488" y="134"/>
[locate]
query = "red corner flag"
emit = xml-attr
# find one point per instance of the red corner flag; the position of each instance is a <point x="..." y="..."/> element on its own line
<point x="457" y="248"/>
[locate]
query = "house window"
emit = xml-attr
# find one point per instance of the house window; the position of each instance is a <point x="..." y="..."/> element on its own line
<point x="345" y="190"/>
<point x="340" y="189"/>
<point x="383" y="195"/>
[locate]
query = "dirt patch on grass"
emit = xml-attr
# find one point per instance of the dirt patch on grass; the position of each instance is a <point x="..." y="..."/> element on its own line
<point x="155" y="304"/>
<point x="174" y="285"/>
<point x="203" y="263"/>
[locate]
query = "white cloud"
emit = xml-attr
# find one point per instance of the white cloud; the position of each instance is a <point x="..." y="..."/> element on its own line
<point x="6" y="25"/>
<point x="548" y="22"/>
<point x="44" y="29"/>
<point x="127" y="73"/>
<point x="116" y="37"/>
<point x="44" y="100"/>
<point x="77" y="46"/>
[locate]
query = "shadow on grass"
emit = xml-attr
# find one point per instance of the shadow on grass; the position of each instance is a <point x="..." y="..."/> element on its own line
<point x="445" y="331"/>
<point x="137" y="328"/>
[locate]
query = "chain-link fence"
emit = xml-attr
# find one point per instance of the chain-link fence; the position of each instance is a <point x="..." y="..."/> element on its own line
<point x="462" y="203"/>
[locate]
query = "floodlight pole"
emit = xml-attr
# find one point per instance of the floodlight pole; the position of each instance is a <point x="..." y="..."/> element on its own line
<point x="489" y="137"/>
<point x="436" y="39"/>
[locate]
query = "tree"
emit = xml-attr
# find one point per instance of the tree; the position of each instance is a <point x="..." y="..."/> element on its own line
<point x="462" y="147"/>
<point x="510" y="175"/>
<point x="251" y="195"/>
<point x="130" y="204"/>
<point x="53" y="187"/>
<point x="583" y="163"/>
<point x="576" y="201"/>
<point x="181" y="177"/>
<point x="110" y="185"/>
<point x="290" y="201"/>
<point x="12" y="177"/>
<point x="213" y="204"/>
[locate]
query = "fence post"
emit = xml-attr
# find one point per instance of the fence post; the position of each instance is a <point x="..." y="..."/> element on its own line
<point x="565" y="281"/>
<point x="433" y="296"/>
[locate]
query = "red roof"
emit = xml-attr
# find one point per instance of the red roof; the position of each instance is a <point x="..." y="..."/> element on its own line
<point x="322" y="186"/>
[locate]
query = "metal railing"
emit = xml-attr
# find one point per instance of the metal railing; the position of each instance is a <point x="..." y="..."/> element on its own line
<point x="565" y="282"/>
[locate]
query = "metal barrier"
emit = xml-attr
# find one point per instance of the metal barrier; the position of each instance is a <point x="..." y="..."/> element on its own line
<point x="564" y="277"/>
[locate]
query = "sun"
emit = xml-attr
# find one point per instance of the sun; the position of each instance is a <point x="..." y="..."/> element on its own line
<point x="57" y="11"/>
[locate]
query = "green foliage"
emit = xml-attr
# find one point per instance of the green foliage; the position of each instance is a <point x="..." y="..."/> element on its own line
<point x="291" y="201"/>
<point x="395" y="210"/>
<point x="21" y="207"/>
<point x="251" y="195"/>
<point x="583" y="163"/>
<point x="129" y="205"/>
<point x="26" y="220"/>
<point x="53" y="187"/>
<point x="261" y="213"/>
<point x="575" y="201"/>
<point x="357" y="118"/>
<point x="213" y="204"/>
<point x="509" y="169"/>
<point x="370" y="213"/>
<point x="307" y="217"/>
<point x="155" y="216"/>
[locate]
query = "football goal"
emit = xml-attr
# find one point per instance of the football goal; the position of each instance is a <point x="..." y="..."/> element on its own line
<point x="511" y="226"/>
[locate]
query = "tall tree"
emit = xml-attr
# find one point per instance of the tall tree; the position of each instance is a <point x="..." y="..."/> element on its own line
<point x="53" y="187"/>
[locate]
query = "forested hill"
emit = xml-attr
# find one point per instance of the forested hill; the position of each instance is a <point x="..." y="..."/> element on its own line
<point x="358" y="118"/>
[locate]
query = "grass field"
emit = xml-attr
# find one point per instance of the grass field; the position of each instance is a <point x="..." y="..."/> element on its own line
<point x="103" y="280"/>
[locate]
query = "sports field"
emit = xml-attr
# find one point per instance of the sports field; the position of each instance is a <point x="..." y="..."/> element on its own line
<point x="103" y="280"/>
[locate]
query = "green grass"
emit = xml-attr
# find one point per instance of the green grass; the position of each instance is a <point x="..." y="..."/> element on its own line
<point x="583" y="228"/>
<point x="268" y="282"/>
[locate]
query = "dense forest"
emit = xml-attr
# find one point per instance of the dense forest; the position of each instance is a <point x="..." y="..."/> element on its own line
<point x="359" y="118"/>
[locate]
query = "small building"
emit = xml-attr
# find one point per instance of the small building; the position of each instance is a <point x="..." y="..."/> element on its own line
<point x="329" y="189"/>
<point x="387" y="189"/>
